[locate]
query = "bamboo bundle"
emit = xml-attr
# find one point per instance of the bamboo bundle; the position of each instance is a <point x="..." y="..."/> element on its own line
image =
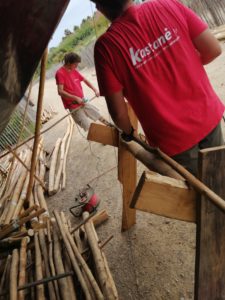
<point x="48" y="265"/>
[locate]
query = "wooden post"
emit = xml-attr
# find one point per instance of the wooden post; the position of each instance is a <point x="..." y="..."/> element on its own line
<point x="38" y="124"/>
<point x="127" y="175"/>
<point x="210" y="246"/>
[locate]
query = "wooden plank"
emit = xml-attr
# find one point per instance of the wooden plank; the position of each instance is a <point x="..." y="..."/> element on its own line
<point x="210" y="246"/>
<point x="165" y="196"/>
<point x="103" y="134"/>
<point x="127" y="175"/>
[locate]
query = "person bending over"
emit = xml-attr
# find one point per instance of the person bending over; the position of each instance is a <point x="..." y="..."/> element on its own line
<point x="68" y="81"/>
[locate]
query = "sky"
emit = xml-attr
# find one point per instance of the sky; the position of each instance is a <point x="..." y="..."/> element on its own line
<point x="76" y="11"/>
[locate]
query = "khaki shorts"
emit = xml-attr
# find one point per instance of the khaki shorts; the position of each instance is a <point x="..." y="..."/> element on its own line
<point x="85" y="115"/>
<point x="189" y="158"/>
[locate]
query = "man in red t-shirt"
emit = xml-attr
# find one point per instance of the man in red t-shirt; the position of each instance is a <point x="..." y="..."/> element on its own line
<point x="153" y="55"/>
<point x="69" y="80"/>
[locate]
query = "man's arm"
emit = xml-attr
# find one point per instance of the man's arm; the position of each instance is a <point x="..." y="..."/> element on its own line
<point x="118" y="110"/>
<point x="207" y="46"/>
<point x="91" y="87"/>
<point x="63" y="93"/>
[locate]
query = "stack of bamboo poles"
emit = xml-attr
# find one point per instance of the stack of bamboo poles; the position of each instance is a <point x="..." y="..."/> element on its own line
<point x="57" y="173"/>
<point x="13" y="199"/>
<point x="219" y="32"/>
<point x="59" y="263"/>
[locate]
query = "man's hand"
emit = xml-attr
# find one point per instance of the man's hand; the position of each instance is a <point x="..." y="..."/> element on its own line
<point x="77" y="100"/>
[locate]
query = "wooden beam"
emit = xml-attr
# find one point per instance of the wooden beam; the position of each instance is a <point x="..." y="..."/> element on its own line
<point x="165" y="196"/>
<point x="127" y="175"/>
<point x="103" y="134"/>
<point x="210" y="245"/>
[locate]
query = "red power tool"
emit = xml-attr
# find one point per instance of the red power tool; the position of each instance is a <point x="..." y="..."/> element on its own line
<point x="86" y="200"/>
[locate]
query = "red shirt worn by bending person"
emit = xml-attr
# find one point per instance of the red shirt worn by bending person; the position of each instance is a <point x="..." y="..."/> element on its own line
<point x="148" y="53"/>
<point x="71" y="81"/>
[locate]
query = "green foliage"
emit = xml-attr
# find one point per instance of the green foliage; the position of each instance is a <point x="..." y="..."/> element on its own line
<point x="78" y="39"/>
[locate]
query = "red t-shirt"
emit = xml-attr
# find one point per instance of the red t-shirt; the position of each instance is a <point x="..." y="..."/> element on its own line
<point x="149" y="54"/>
<point x="71" y="81"/>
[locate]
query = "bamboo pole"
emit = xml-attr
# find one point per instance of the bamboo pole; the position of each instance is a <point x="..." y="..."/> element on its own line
<point x="151" y="161"/>
<point x="100" y="217"/>
<point x="72" y="257"/>
<point x="21" y="198"/>
<point x="191" y="179"/>
<point x="61" y="159"/>
<point x="64" y="288"/>
<point x="66" y="153"/>
<point x="4" y="277"/>
<point x="104" y="279"/>
<point x="22" y="267"/>
<point x="38" y="123"/>
<point x="53" y="167"/>
<point x="86" y="269"/>
<point x="68" y="267"/>
<point x="30" y="275"/>
<point x="51" y="259"/>
<point x="38" y="268"/>
<point x="14" y="275"/>
<point x="44" y="251"/>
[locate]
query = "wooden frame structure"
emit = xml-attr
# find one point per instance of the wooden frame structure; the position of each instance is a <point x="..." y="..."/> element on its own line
<point x="171" y="197"/>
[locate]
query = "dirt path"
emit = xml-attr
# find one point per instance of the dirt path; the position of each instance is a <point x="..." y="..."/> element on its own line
<point x="155" y="259"/>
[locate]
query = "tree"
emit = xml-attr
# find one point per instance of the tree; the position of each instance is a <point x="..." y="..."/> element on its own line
<point x="67" y="32"/>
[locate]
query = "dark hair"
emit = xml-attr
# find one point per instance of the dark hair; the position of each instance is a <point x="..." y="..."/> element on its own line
<point x="113" y="7"/>
<point x="71" y="58"/>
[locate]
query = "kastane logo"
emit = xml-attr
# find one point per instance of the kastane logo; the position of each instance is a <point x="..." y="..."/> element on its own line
<point x="137" y="56"/>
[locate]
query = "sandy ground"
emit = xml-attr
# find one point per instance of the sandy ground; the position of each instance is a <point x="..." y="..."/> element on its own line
<point x="154" y="259"/>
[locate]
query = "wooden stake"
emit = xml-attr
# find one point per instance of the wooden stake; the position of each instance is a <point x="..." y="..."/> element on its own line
<point x="14" y="275"/>
<point x="38" y="268"/>
<point x="22" y="267"/>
